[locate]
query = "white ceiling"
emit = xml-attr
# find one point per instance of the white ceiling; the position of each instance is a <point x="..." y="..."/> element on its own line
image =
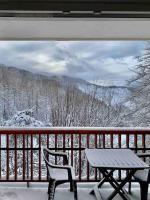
<point x="67" y="29"/>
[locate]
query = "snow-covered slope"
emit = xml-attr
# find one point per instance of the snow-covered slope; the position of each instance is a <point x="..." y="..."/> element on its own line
<point x="59" y="100"/>
<point x="113" y="94"/>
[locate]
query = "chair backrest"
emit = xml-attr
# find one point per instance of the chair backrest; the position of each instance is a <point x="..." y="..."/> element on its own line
<point x="46" y="153"/>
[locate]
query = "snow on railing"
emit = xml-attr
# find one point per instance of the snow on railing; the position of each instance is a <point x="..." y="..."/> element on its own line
<point x="20" y="149"/>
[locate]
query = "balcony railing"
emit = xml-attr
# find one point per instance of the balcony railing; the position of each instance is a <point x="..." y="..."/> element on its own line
<point x="21" y="158"/>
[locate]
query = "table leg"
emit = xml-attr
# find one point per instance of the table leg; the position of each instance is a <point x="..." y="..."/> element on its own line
<point x="102" y="181"/>
<point x="120" y="186"/>
<point x="97" y="193"/>
<point x="113" y="181"/>
<point x="115" y="185"/>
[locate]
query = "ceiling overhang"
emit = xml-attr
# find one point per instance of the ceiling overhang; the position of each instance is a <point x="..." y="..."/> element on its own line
<point x="75" y="8"/>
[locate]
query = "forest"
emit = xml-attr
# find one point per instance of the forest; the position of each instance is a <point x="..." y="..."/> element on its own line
<point x="59" y="101"/>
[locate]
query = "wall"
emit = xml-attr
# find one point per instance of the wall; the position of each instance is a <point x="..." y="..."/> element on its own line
<point x="64" y="29"/>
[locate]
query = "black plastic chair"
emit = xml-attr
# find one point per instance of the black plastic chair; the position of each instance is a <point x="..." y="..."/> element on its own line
<point x="143" y="177"/>
<point x="59" y="174"/>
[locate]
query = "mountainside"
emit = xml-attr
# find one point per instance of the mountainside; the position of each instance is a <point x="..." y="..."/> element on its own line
<point x="58" y="100"/>
<point x="115" y="94"/>
<point x="16" y="77"/>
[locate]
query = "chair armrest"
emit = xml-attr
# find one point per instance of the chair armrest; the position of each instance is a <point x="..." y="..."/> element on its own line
<point x="55" y="153"/>
<point x="60" y="154"/>
<point x="143" y="155"/>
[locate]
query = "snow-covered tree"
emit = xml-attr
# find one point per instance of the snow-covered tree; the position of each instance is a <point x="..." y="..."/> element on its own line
<point x="24" y="119"/>
<point x="140" y="96"/>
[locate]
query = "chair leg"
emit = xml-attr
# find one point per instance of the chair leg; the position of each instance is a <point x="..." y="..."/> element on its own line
<point x="71" y="186"/>
<point x="129" y="187"/>
<point x="75" y="191"/>
<point x="51" y="189"/>
<point x="144" y="190"/>
<point x="48" y="188"/>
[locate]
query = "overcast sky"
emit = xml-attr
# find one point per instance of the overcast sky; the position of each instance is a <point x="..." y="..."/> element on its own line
<point x="104" y="62"/>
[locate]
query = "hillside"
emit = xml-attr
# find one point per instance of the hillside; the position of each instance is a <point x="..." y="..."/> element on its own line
<point x="59" y="100"/>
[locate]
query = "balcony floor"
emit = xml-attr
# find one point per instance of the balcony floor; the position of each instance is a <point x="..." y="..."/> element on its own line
<point x="39" y="192"/>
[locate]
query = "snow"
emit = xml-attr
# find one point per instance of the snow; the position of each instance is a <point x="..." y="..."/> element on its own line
<point x="23" y="119"/>
<point x="40" y="193"/>
<point x="78" y="128"/>
<point x="118" y="94"/>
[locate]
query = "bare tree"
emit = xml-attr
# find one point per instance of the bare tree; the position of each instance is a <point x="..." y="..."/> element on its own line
<point x="140" y="96"/>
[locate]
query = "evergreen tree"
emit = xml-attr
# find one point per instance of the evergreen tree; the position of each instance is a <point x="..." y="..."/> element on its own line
<point x="24" y="119"/>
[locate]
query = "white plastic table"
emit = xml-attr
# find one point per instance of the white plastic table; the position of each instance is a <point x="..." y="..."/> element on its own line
<point x="109" y="160"/>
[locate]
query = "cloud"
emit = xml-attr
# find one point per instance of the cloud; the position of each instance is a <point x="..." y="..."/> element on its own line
<point x="108" y="61"/>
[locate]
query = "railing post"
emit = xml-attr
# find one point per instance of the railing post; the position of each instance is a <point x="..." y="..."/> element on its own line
<point x="27" y="163"/>
<point x="28" y="184"/>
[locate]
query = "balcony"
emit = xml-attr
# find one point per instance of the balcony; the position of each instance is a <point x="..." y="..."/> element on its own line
<point x="38" y="191"/>
<point x="21" y="160"/>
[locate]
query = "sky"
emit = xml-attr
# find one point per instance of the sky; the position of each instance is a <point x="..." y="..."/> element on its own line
<point x="100" y="62"/>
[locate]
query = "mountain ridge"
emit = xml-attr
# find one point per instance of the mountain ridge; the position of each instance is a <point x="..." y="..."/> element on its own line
<point x="61" y="78"/>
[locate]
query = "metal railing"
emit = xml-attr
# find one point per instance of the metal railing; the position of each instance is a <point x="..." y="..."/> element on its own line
<point x="21" y="157"/>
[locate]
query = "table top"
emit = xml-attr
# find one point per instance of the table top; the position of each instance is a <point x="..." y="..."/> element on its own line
<point x="114" y="159"/>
